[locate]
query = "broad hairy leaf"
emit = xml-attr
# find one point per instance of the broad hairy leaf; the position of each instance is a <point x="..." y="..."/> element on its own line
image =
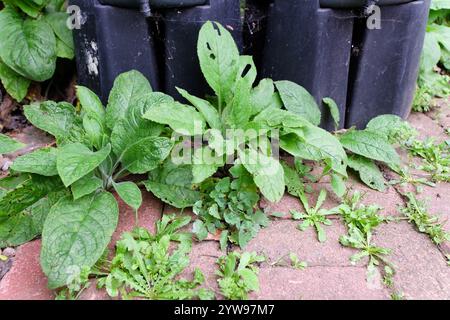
<point x="8" y="145"/>
<point x="267" y="173"/>
<point x="208" y="111"/>
<point x="239" y="110"/>
<point x="316" y="144"/>
<point x="58" y="119"/>
<point x="146" y="154"/>
<point x="42" y="162"/>
<point x="368" y="171"/>
<point x="128" y="87"/>
<point x="15" y="84"/>
<point x="75" y="160"/>
<point x="75" y="235"/>
<point x="219" y="56"/>
<point x="262" y="95"/>
<point x="27" y="193"/>
<point x="133" y="127"/>
<point x="205" y="164"/>
<point x="385" y="124"/>
<point x="177" y="196"/>
<point x="64" y="38"/>
<point x="181" y="118"/>
<point x="370" y="145"/>
<point x="299" y="101"/>
<point x="27" y="46"/>
<point x="91" y="103"/>
<point x="86" y="185"/>
<point x="338" y="185"/>
<point x="130" y="193"/>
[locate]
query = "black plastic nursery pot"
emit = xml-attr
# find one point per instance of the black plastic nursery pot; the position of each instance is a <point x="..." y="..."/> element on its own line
<point x="324" y="45"/>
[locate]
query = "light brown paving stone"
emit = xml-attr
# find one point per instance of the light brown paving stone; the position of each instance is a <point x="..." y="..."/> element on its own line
<point x="282" y="238"/>
<point x="148" y="214"/>
<point x="437" y="200"/>
<point x="204" y="256"/>
<point x="441" y="113"/>
<point x="317" y="283"/>
<point x="93" y="293"/>
<point x="427" y="127"/>
<point x="422" y="272"/>
<point x="25" y="280"/>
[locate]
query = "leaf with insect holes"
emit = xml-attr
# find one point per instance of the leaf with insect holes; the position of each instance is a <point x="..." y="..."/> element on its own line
<point x="370" y="145"/>
<point x="42" y="162"/>
<point x="128" y="87"/>
<point x="76" y="234"/>
<point x="299" y="101"/>
<point x="74" y="161"/>
<point x="218" y="56"/>
<point x="130" y="193"/>
<point x="8" y="145"/>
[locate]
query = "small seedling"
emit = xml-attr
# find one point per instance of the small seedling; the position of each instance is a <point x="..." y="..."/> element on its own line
<point x="293" y="261"/>
<point x="377" y="255"/>
<point x="406" y="178"/>
<point x="314" y="216"/>
<point x="238" y="274"/>
<point x="416" y="212"/>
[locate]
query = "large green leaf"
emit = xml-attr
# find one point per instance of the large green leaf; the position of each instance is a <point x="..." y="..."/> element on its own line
<point x="91" y="103"/>
<point x="181" y="118"/>
<point x="27" y="225"/>
<point x="267" y="173"/>
<point x="316" y="144"/>
<point x="27" y="46"/>
<point x="15" y="84"/>
<point x="64" y="37"/>
<point x="27" y="193"/>
<point x="58" y="119"/>
<point x="128" y="87"/>
<point x="370" y="145"/>
<point x="8" y="145"/>
<point x="299" y="101"/>
<point x="130" y="193"/>
<point x="146" y="154"/>
<point x="179" y="197"/>
<point x="208" y="111"/>
<point x="75" y="160"/>
<point x="239" y="110"/>
<point x="42" y="161"/>
<point x="368" y="171"/>
<point x="219" y="56"/>
<point x="133" y="127"/>
<point x="76" y="234"/>
<point x="86" y="185"/>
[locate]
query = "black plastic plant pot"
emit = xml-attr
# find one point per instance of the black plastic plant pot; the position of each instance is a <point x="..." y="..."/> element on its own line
<point x="327" y="47"/>
<point x="116" y="37"/>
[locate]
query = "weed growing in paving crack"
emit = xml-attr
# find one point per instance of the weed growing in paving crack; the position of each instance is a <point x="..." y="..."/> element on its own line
<point x="416" y="212"/>
<point x="361" y="221"/>
<point x="290" y="260"/>
<point x="230" y="205"/>
<point x="238" y="274"/>
<point x="314" y="216"/>
<point x="145" y="266"/>
<point x="406" y="178"/>
<point x="436" y="158"/>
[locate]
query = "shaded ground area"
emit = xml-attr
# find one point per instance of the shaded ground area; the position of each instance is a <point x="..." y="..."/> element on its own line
<point x="422" y="271"/>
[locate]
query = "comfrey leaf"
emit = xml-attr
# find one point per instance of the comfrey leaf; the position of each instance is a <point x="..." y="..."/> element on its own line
<point x="42" y="162"/>
<point x="130" y="193"/>
<point x="76" y="234"/>
<point x="8" y="145"/>
<point x="74" y="161"/>
<point x="368" y="171"/>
